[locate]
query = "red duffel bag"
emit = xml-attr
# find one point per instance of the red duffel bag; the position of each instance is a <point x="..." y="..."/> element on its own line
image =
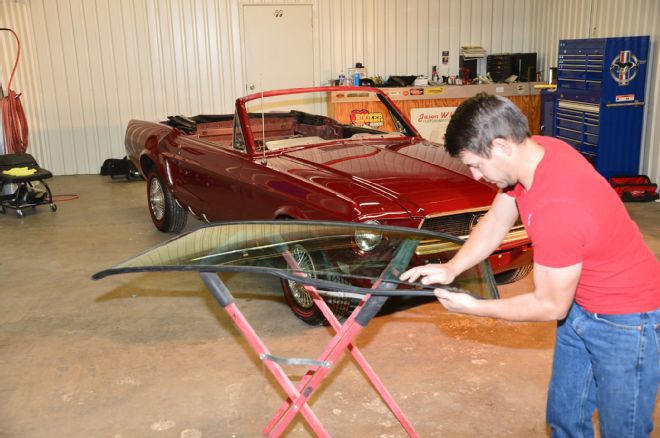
<point x="637" y="188"/>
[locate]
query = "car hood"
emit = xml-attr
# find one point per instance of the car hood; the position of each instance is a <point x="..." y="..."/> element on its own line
<point x="413" y="175"/>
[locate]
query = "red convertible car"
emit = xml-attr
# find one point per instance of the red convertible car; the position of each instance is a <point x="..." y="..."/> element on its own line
<point x="291" y="154"/>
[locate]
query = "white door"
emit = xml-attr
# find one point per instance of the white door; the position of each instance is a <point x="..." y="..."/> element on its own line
<point x="278" y="46"/>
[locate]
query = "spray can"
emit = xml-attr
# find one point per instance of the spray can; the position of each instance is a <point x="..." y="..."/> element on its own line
<point x="356" y="79"/>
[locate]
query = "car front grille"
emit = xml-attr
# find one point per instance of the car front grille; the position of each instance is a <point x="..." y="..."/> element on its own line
<point x="455" y="224"/>
<point x="460" y="225"/>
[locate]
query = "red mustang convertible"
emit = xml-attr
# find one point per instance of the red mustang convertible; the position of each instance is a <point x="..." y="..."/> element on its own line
<point x="293" y="154"/>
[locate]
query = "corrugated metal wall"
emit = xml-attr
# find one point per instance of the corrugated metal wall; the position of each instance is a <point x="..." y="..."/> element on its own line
<point x="91" y="65"/>
<point x="562" y="19"/>
<point x="407" y="37"/>
<point x="99" y="63"/>
<point x="16" y="16"/>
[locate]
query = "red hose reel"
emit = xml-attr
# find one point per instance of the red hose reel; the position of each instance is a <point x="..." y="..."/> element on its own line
<point x="14" y="123"/>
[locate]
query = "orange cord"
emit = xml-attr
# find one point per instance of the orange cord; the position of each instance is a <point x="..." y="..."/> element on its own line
<point x="14" y="123"/>
<point x="65" y="197"/>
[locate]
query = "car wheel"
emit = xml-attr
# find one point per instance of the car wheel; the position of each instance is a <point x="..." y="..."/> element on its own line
<point x="513" y="275"/>
<point x="166" y="214"/>
<point x="301" y="301"/>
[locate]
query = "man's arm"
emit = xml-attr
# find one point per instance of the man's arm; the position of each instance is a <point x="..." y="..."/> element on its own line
<point x="550" y="300"/>
<point x="483" y="240"/>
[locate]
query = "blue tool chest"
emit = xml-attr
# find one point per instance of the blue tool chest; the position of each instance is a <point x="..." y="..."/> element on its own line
<point x="599" y="105"/>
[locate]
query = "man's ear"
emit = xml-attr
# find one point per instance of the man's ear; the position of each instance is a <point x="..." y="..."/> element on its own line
<point x="502" y="146"/>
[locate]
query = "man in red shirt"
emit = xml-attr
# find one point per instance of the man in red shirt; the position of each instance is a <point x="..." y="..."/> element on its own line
<point x="592" y="271"/>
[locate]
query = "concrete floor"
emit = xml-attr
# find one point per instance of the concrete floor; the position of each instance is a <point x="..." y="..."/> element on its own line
<point x="151" y="355"/>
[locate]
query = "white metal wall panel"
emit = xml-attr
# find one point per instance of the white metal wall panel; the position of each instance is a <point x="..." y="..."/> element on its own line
<point x="638" y="17"/>
<point x="100" y="63"/>
<point x="563" y="19"/>
<point x="92" y="65"/>
<point x="16" y="16"/>
<point x="89" y="66"/>
<point x="555" y="20"/>
<point x="408" y="36"/>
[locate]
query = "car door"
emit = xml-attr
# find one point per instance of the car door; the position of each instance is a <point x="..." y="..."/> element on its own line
<point x="209" y="177"/>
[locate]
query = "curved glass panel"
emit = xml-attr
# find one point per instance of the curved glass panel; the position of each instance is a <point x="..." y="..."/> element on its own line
<point x="321" y="254"/>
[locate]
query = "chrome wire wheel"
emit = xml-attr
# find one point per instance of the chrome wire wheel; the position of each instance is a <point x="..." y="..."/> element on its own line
<point x="301" y="301"/>
<point x="166" y="214"/>
<point x="157" y="199"/>
<point x="306" y="264"/>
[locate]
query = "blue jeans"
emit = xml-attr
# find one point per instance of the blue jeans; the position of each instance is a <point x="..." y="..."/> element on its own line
<point x="608" y="362"/>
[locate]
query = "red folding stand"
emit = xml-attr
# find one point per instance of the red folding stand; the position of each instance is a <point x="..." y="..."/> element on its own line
<point x="298" y="395"/>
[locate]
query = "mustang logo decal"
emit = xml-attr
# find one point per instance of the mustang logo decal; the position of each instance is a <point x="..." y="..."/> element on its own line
<point x="624" y="67"/>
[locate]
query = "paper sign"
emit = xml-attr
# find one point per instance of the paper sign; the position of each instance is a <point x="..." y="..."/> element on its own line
<point x="432" y="122"/>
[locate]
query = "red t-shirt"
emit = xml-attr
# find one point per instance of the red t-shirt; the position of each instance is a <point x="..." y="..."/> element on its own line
<point x="572" y="215"/>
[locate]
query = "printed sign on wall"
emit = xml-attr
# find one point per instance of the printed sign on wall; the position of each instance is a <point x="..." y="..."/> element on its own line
<point x="432" y="122"/>
<point x="365" y="118"/>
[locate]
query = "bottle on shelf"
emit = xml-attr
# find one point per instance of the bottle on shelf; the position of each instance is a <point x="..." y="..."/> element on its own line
<point x="434" y="74"/>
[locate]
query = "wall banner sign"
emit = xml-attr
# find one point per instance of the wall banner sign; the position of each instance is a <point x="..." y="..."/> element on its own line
<point x="432" y="122"/>
<point x="365" y="118"/>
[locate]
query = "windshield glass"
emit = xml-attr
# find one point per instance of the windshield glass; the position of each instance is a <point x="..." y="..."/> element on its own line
<point x="293" y="120"/>
<point x="340" y="256"/>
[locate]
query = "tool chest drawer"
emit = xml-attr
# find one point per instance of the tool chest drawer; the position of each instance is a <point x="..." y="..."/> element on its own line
<point x="578" y="122"/>
<point x="564" y="122"/>
<point x="569" y="133"/>
<point x="591" y="139"/>
<point x="573" y="142"/>
<point x="580" y="67"/>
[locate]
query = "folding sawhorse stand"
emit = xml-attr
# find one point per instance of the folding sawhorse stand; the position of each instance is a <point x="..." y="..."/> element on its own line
<point x="361" y="316"/>
<point x="263" y="247"/>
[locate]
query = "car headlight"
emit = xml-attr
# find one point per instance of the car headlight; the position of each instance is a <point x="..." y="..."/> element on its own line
<point x="367" y="240"/>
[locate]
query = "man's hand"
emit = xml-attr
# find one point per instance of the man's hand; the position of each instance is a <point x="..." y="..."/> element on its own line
<point x="456" y="302"/>
<point x="550" y="301"/>
<point x="433" y="273"/>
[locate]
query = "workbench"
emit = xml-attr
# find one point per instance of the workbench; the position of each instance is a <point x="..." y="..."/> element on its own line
<point x="440" y="101"/>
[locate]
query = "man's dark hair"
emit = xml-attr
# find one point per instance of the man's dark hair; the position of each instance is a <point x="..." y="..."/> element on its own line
<point x="480" y="120"/>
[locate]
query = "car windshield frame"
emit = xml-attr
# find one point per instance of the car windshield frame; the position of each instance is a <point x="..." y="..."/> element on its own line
<point x="265" y="247"/>
<point x="400" y="121"/>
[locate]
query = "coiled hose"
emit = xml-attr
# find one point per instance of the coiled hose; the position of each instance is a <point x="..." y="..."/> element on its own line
<point x="14" y="123"/>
